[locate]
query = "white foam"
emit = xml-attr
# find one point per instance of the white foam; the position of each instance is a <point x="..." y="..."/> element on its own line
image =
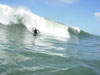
<point x="76" y="29"/>
<point x="10" y="15"/>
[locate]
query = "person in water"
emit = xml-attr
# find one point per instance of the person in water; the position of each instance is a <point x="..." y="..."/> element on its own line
<point x="35" y="32"/>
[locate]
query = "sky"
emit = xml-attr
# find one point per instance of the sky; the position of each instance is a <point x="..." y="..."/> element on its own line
<point x="84" y="14"/>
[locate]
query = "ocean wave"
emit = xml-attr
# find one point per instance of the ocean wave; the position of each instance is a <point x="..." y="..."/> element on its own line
<point x="22" y="16"/>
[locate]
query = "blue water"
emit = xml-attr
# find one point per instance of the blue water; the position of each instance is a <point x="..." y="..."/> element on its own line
<point x="23" y="54"/>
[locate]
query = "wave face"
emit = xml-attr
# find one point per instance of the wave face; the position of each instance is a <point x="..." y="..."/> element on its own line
<point x="12" y="16"/>
<point x="23" y="54"/>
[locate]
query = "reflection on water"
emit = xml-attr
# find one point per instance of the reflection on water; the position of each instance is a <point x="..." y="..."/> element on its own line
<point x="22" y="53"/>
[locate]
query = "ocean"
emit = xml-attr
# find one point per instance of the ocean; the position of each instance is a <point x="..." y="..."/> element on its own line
<point x="59" y="49"/>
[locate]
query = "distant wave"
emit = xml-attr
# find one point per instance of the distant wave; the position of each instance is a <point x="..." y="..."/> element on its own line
<point x="22" y="16"/>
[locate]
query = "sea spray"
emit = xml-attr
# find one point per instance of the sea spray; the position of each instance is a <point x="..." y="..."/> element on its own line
<point x="22" y="16"/>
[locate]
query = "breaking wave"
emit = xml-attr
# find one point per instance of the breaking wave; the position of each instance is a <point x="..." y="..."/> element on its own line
<point x="22" y="16"/>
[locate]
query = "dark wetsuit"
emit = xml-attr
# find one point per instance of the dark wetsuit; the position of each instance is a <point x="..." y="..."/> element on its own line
<point x="35" y="32"/>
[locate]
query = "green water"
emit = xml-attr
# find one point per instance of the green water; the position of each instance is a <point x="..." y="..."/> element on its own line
<point x="23" y="54"/>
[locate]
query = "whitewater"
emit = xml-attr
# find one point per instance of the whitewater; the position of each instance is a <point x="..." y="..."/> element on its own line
<point x="60" y="49"/>
<point x="29" y="20"/>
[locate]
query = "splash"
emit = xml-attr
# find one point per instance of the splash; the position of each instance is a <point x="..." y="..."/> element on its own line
<point x="12" y="16"/>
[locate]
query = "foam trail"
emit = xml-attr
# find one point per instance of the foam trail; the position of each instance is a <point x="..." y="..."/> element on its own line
<point x="11" y="16"/>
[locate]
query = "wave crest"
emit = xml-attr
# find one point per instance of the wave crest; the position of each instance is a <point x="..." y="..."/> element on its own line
<point x="22" y="16"/>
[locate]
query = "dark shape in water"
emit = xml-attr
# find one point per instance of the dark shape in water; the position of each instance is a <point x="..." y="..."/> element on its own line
<point x="36" y="32"/>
